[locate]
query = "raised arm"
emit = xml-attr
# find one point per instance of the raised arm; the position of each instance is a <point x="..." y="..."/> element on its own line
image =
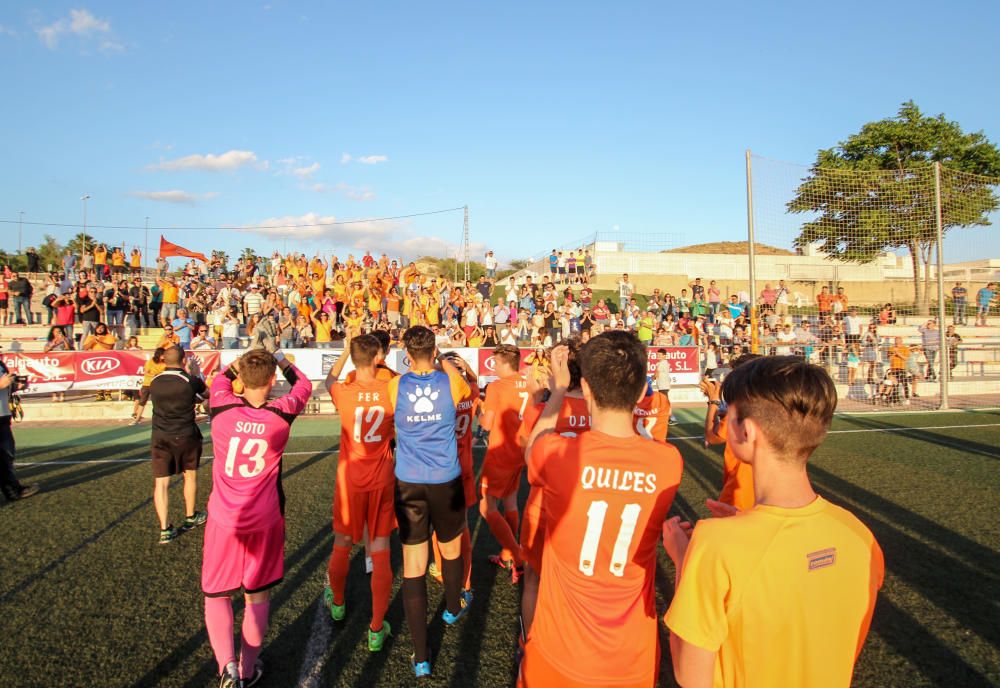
<point x="338" y="367"/>
<point x="550" y="414"/>
<point x="295" y="401"/>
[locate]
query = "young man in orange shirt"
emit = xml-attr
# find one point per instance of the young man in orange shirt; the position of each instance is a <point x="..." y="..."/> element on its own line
<point x="573" y="419"/>
<point x="363" y="500"/>
<point x="737" y="477"/>
<point x="782" y="595"/>
<point x="605" y="495"/>
<point x="506" y="400"/>
<point x="652" y="415"/>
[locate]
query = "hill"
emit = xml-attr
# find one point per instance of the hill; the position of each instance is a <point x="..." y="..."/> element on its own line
<point x="732" y="247"/>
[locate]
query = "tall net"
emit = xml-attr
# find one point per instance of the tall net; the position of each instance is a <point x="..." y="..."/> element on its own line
<point x="847" y="270"/>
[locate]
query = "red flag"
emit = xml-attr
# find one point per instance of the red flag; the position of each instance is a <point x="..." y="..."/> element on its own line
<point x="168" y="249"/>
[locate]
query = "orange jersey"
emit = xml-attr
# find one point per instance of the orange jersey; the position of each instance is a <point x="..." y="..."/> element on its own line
<point x="652" y="417"/>
<point x="382" y="372"/>
<point x="507" y="398"/>
<point x="464" y="413"/>
<point x="737" y="477"/>
<point x="604" y="499"/>
<point x="803" y="580"/>
<point x="366" y="429"/>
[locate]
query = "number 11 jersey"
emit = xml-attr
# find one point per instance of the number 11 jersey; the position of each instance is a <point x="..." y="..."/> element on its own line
<point x="604" y="502"/>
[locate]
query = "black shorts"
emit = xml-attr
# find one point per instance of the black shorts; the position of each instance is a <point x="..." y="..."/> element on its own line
<point x="143" y="395"/>
<point x="3" y="304"/>
<point x="420" y="506"/>
<point x="173" y="454"/>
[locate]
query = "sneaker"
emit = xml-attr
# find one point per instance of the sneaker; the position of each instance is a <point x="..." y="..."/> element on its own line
<point x="435" y="572"/>
<point x="673" y="420"/>
<point x="369" y="565"/>
<point x="337" y="611"/>
<point x="198" y="518"/>
<point x="421" y="669"/>
<point x="376" y="639"/>
<point x="26" y="491"/>
<point x="230" y="677"/>
<point x="168" y="534"/>
<point x="258" y="673"/>
<point x="466" y="602"/>
<point x="134" y="421"/>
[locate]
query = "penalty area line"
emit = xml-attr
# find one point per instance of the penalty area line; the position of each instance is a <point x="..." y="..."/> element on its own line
<point x="74" y="462"/>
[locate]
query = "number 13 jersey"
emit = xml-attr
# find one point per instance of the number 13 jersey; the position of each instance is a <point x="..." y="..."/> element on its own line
<point x="247" y="444"/>
<point x="604" y="502"/>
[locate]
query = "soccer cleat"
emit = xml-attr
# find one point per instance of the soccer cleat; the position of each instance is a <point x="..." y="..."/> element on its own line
<point x="376" y="639"/>
<point x="673" y="420"/>
<point x="193" y="521"/>
<point x="466" y="601"/>
<point x="258" y="673"/>
<point x="421" y="669"/>
<point x="168" y="534"/>
<point x="337" y="611"/>
<point x="435" y="572"/>
<point x="230" y="677"/>
<point x="25" y="492"/>
<point x="134" y="421"/>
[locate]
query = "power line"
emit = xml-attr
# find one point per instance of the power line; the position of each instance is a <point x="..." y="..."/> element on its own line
<point x="314" y="224"/>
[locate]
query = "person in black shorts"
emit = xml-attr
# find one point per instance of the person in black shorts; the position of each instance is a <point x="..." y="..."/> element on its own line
<point x="176" y="440"/>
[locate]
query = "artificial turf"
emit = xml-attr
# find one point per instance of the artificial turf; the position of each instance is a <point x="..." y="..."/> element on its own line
<point x="89" y="599"/>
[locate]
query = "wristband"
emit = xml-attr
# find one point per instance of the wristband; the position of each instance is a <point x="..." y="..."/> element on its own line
<point x="714" y="402"/>
<point x="278" y="356"/>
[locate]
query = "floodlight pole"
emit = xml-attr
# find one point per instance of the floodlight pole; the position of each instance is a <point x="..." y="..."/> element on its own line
<point x="944" y="356"/>
<point x="754" y="337"/>
<point x="465" y="243"/>
<point x="145" y="248"/>
<point x="20" y="219"/>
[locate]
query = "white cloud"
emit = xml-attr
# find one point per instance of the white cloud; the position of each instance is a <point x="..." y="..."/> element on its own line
<point x="355" y="193"/>
<point x="363" y="159"/>
<point x="7" y="31"/>
<point x="392" y="237"/>
<point x="83" y="24"/>
<point x="307" y="171"/>
<point x="230" y="160"/>
<point x="174" y="196"/>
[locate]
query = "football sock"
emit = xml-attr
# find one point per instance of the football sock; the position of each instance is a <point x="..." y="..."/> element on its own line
<point x="381" y="587"/>
<point x="452" y="570"/>
<point x="500" y="528"/>
<point x="415" y="607"/>
<point x="219" y="623"/>
<point x="467" y="558"/>
<point x="254" y="630"/>
<point x="340" y="562"/>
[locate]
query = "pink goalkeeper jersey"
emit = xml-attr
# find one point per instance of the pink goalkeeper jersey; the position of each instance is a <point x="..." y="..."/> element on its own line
<point x="247" y="444"/>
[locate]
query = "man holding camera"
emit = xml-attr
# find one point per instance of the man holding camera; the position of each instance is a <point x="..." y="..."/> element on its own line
<point x="9" y="484"/>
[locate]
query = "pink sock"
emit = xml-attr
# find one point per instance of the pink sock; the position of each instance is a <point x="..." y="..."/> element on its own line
<point x="219" y="622"/>
<point x="254" y="630"/>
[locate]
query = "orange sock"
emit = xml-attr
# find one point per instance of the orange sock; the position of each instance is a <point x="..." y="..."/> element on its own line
<point x="340" y="562"/>
<point x="467" y="558"/>
<point x="500" y="527"/>
<point x="381" y="587"/>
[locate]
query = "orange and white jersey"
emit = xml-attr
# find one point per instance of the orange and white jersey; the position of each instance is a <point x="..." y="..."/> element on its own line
<point x="652" y="417"/>
<point x="366" y="432"/>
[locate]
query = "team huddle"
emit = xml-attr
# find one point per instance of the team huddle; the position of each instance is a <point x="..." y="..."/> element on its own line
<point x="778" y="588"/>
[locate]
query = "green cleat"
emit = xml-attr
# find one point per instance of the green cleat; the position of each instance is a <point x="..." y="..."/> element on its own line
<point x="196" y="519"/>
<point x="168" y="535"/>
<point x="376" y="639"/>
<point x="337" y="611"/>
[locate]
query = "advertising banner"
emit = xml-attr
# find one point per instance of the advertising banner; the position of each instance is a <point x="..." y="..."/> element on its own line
<point x="46" y="373"/>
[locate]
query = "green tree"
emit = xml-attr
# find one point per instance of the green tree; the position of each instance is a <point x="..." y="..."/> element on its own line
<point x="888" y="202"/>
<point x="248" y="254"/>
<point x="82" y="243"/>
<point x="519" y="264"/>
<point x="50" y="252"/>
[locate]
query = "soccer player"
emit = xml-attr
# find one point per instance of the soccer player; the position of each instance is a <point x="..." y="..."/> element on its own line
<point x="503" y="410"/>
<point x="429" y="489"/>
<point x="652" y="415"/>
<point x="175" y="441"/>
<point x="795" y="573"/>
<point x="573" y="418"/>
<point x="605" y="494"/>
<point x="737" y="476"/>
<point x="364" y="490"/>
<point x="465" y="412"/>
<point x="245" y="533"/>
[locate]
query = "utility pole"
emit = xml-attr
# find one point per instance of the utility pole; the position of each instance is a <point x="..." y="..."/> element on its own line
<point x="20" y="219"/>
<point x="465" y="244"/>
<point x="84" y="198"/>
<point x="145" y="248"/>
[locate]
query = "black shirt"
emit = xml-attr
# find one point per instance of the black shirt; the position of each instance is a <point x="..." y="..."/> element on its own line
<point x="174" y="394"/>
<point x="91" y="315"/>
<point x="22" y="286"/>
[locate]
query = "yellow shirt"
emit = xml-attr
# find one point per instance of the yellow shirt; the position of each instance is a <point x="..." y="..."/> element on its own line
<point x="100" y="257"/>
<point x="136" y="260"/>
<point x="322" y="329"/>
<point x="118" y="260"/>
<point x="169" y="293"/>
<point x="783" y="596"/>
<point x="151" y="369"/>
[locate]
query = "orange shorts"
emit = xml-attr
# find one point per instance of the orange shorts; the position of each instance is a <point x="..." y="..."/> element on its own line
<point x="500" y="481"/>
<point x="533" y="529"/>
<point x="353" y="509"/>
<point x="537" y="672"/>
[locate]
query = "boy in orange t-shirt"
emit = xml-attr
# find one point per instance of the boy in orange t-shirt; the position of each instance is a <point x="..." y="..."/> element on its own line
<point x="737" y="477"/>
<point x="363" y="499"/>
<point x="782" y="594"/>
<point x="503" y="410"/>
<point x="652" y="415"/>
<point x="605" y="495"/>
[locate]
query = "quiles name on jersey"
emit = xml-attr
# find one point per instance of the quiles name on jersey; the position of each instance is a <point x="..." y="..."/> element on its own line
<point x="601" y="478"/>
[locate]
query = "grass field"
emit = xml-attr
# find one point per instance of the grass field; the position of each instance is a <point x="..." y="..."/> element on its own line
<point x="89" y="599"/>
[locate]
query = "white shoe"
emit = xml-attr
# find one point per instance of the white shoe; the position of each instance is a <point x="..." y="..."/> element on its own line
<point x="369" y="565"/>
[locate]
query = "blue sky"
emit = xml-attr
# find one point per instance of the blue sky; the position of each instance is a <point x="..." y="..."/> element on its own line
<point x="551" y="121"/>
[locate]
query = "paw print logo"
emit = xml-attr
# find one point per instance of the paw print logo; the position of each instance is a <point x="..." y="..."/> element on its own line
<point x="423" y="399"/>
